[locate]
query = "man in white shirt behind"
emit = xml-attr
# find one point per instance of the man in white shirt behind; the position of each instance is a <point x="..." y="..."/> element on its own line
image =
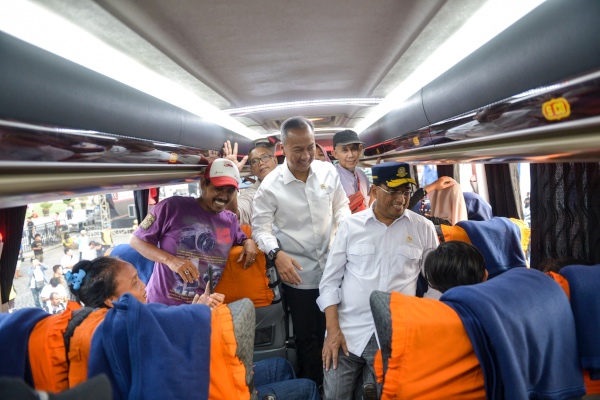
<point x="380" y="248"/>
<point x="300" y="203"/>
<point x="68" y="260"/>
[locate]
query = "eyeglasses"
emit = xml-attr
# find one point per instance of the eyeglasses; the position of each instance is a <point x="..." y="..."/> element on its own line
<point x="264" y="158"/>
<point x="397" y="193"/>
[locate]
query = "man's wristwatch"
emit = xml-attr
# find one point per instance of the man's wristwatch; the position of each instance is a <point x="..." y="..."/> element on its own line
<point x="273" y="253"/>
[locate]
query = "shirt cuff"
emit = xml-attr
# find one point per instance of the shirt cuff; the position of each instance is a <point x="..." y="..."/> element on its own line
<point x="329" y="298"/>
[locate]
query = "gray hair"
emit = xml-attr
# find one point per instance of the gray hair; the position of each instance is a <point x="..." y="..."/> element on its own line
<point x="295" y="123"/>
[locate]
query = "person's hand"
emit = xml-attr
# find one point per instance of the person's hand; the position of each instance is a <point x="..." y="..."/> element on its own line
<point x="231" y="154"/>
<point x="212" y="300"/>
<point x="212" y="155"/>
<point x="188" y="271"/>
<point x="441" y="183"/>
<point x="333" y="342"/>
<point x="249" y="251"/>
<point x="286" y="267"/>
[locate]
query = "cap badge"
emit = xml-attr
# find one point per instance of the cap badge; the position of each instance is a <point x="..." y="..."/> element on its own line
<point x="402" y="172"/>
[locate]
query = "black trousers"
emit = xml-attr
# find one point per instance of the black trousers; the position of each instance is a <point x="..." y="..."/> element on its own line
<point x="309" y="330"/>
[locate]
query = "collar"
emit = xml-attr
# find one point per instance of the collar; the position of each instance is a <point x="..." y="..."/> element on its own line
<point x="288" y="176"/>
<point x="370" y="215"/>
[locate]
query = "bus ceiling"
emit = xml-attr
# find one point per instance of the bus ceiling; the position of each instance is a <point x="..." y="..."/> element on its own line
<point x="530" y="94"/>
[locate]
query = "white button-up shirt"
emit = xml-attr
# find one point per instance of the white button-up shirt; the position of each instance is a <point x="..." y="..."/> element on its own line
<point x="368" y="255"/>
<point x="303" y="216"/>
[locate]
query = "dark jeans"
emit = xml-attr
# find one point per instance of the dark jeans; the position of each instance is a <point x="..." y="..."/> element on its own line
<point x="36" y="297"/>
<point x="275" y="377"/>
<point x="309" y="329"/>
<point x="342" y="382"/>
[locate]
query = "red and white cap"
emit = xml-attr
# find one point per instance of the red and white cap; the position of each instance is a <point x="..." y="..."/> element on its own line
<point x="222" y="172"/>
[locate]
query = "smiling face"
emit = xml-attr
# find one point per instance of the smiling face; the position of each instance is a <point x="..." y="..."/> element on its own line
<point x="259" y="167"/>
<point x="391" y="205"/>
<point x="299" y="150"/>
<point x="127" y="281"/>
<point x="215" y="198"/>
<point x="348" y="154"/>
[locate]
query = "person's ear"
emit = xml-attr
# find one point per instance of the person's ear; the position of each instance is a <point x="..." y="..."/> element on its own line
<point x="485" y="276"/>
<point x="109" y="302"/>
<point x="282" y="148"/>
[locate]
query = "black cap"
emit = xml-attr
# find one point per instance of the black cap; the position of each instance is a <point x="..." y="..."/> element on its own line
<point x="393" y="174"/>
<point x="346" y="137"/>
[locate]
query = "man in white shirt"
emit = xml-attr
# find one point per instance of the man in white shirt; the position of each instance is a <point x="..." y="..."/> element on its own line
<point x="53" y="287"/>
<point x="68" y="260"/>
<point x="83" y="244"/>
<point x="90" y="253"/>
<point x="300" y="204"/>
<point x="381" y="248"/>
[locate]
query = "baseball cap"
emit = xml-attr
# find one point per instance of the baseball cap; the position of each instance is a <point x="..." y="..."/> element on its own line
<point x="345" y="137"/>
<point x="393" y="174"/>
<point x="222" y="172"/>
<point x="96" y="388"/>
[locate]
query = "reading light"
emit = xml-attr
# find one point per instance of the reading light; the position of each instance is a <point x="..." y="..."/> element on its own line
<point x="49" y="31"/>
<point x="491" y="19"/>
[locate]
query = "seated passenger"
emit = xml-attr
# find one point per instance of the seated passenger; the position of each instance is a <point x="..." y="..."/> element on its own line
<point x="449" y="204"/>
<point x="104" y="280"/>
<point x="321" y="153"/>
<point x="477" y="208"/>
<point x="454" y="264"/>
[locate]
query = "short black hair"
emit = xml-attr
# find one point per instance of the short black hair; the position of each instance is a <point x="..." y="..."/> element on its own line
<point x="295" y="123"/>
<point x="259" y="146"/>
<point x="454" y="263"/>
<point x="56" y="267"/>
<point x="66" y="249"/>
<point x="99" y="282"/>
<point x="54" y="282"/>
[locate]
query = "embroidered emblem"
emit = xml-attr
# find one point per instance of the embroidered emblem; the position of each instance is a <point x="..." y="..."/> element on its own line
<point x="323" y="186"/>
<point x="402" y="172"/>
<point x="148" y="221"/>
<point x="409" y="239"/>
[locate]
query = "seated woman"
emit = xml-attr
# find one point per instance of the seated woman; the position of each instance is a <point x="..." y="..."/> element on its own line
<point x="100" y="282"/>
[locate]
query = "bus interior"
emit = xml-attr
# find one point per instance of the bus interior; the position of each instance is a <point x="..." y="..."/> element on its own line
<point x="109" y="96"/>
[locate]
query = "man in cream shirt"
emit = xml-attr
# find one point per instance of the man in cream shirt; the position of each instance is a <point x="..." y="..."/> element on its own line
<point x="380" y="248"/>
<point x="300" y="203"/>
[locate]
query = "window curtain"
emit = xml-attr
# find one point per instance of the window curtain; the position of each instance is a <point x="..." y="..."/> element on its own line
<point x="565" y="212"/>
<point x="141" y="203"/>
<point x="11" y="227"/>
<point x="448" y="170"/>
<point x="503" y="190"/>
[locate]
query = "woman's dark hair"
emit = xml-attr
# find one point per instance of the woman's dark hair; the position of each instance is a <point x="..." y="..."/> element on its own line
<point x="453" y="264"/>
<point x="99" y="281"/>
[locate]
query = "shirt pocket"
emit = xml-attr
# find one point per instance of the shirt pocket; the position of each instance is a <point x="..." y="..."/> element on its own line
<point x="409" y="257"/>
<point x="361" y="259"/>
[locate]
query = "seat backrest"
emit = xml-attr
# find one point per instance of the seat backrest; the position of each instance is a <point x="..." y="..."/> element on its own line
<point x="425" y="350"/>
<point x="252" y="283"/>
<point x="499" y="240"/>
